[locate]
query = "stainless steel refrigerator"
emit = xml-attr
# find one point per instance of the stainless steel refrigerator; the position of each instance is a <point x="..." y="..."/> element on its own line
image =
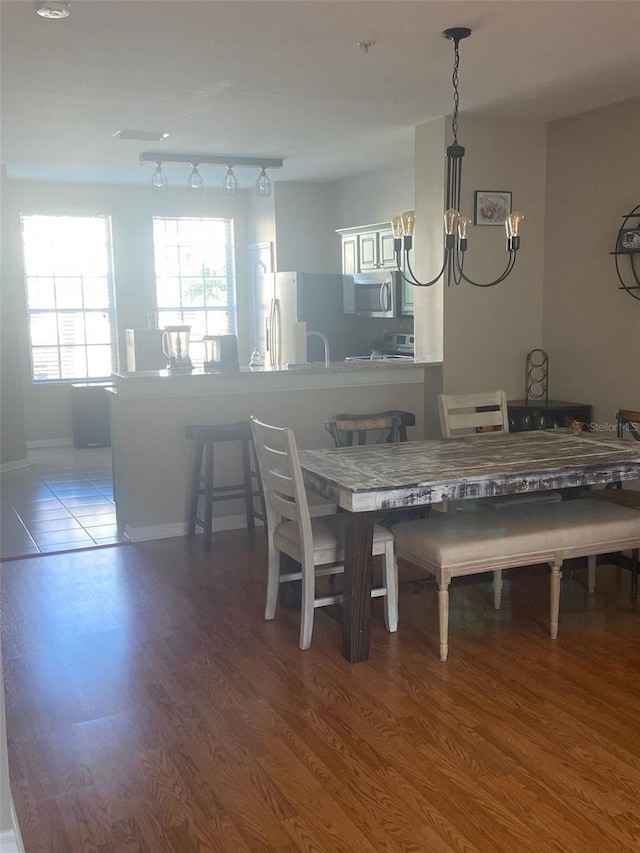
<point x="287" y="299"/>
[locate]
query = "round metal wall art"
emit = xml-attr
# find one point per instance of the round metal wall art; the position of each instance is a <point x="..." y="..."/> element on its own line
<point x="627" y="253"/>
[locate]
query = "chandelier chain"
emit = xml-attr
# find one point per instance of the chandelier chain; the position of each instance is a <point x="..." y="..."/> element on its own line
<point x="456" y="96"/>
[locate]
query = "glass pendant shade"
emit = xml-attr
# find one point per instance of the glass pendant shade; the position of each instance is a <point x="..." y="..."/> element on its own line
<point x="159" y="180"/>
<point x="263" y="185"/>
<point x="195" y="186"/>
<point x="230" y="186"/>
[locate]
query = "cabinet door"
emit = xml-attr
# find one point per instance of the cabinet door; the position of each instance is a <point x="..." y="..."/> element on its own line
<point x="387" y="253"/>
<point x="368" y="244"/>
<point x="350" y="260"/>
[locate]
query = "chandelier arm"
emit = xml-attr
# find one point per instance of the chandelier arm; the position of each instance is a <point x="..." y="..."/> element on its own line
<point x="507" y="270"/>
<point x="414" y="281"/>
<point x="457" y="265"/>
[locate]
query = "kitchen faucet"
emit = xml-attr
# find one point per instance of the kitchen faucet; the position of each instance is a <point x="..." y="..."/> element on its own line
<point x="324" y="340"/>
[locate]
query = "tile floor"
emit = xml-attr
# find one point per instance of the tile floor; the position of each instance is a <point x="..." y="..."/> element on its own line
<point x="62" y="502"/>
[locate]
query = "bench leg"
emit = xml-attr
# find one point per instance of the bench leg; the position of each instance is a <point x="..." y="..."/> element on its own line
<point x="556" y="576"/>
<point x="443" y="610"/>
<point x="591" y="571"/>
<point x="497" y="589"/>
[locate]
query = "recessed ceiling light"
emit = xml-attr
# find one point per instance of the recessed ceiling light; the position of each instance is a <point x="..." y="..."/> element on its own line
<point x="141" y="135"/>
<point x="53" y="8"/>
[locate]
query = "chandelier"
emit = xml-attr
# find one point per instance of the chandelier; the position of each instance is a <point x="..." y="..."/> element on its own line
<point x="195" y="181"/>
<point x="455" y="224"/>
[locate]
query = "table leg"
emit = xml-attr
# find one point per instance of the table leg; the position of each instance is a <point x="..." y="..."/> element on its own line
<point x="357" y="588"/>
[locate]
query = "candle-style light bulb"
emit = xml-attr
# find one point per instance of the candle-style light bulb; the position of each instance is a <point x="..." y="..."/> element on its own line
<point x="159" y="180"/>
<point x="463" y="223"/>
<point x="451" y="217"/>
<point x="512" y="227"/>
<point x="195" y="186"/>
<point x="396" y="225"/>
<point x="512" y="223"/>
<point x="408" y="220"/>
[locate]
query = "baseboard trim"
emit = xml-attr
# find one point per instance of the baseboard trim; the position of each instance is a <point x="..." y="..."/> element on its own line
<point x="14" y="466"/>
<point x="167" y="531"/>
<point x="50" y="442"/>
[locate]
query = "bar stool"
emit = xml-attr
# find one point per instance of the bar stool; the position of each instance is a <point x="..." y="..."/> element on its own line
<point x="205" y="438"/>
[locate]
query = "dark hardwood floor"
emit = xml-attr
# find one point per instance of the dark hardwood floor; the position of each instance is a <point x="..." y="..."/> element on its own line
<point x="150" y="708"/>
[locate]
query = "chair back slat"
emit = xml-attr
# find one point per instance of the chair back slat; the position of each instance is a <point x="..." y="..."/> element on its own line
<point x="281" y="475"/>
<point x="464" y="414"/>
<point x="347" y="431"/>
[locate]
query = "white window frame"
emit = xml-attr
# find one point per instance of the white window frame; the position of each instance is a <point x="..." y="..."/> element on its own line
<point x="55" y="273"/>
<point x="212" y="317"/>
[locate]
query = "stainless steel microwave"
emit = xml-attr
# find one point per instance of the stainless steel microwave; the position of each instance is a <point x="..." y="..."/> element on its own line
<point x="376" y="294"/>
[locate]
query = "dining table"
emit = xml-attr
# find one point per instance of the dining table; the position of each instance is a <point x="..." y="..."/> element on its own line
<point x="376" y="480"/>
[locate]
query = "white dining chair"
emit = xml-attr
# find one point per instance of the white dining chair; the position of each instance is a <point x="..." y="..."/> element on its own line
<point x="467" y="414"/>
<point x="317" y="544"/>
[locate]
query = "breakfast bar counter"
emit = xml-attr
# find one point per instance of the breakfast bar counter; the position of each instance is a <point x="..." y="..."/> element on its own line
<point x="150" y="410"/>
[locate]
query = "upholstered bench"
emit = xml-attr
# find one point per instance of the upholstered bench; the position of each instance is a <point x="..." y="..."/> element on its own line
<point x="463" y="543"/>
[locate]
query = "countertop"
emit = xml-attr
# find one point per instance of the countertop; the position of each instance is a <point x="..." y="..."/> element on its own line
<point x="313" y="368"/>
<point x="199" y="382"/>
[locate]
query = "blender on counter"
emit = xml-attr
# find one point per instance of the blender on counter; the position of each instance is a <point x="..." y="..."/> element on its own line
<point x="175" y="346"/>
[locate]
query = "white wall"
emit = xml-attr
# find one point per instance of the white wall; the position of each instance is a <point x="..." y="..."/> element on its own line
<point x="592" y="329"/>
<point x="488" y="331"/>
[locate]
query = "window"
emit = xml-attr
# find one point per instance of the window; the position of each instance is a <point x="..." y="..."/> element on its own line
<point x="67" y="261"/>
<point x="195" y="283"/>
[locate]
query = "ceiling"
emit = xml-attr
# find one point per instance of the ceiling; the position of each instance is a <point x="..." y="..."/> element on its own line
<point x="287" y="79"/>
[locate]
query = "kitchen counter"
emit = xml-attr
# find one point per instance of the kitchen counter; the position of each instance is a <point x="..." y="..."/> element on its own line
<point x="312" y="376"/>
<point x="149" y="412"/>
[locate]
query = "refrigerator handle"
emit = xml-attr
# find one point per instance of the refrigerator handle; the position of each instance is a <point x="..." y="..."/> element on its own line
<point x="275" y="334"/>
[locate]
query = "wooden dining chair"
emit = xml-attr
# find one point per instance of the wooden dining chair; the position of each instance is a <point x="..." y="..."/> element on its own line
<point x="317" y="544"/>
<point x="627" y="424"/>
<point x="347" y="430"/>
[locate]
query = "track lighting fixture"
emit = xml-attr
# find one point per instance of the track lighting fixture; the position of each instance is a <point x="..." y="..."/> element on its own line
<point x="195" y="183"/>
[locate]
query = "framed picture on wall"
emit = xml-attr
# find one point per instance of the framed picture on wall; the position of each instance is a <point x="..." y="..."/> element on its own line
<point x="491" y="207"/>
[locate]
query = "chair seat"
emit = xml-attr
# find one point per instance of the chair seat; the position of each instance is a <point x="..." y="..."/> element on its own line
<point x="328" y="538"/>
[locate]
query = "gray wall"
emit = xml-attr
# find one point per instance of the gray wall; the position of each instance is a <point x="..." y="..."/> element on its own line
<point x="592" y="329"/>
